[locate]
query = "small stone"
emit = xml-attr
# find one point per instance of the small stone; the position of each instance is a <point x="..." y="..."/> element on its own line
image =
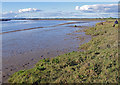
<point x="8" y="74"/>
<point x="11" y="69"/>
<point x="6" y="68"/>
<point x="11" y="66"/>
<point x="41" y="55"/>
<point x="32" y="59"/>
<point x="23" y="65"/>
<point x="3" y="76"/>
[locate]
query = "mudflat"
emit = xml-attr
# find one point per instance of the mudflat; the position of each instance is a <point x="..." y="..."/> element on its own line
<point x="23" y="48"/>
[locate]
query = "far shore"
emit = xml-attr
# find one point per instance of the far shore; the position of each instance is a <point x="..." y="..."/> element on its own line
<point x="56" y="19"/>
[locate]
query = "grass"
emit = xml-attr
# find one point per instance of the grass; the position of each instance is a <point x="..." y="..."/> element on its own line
<point x="98" y="63"/>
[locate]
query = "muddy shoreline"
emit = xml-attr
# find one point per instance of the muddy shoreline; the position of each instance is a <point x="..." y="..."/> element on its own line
<point x="26" y="60"/>
<point x="28" y="63"/>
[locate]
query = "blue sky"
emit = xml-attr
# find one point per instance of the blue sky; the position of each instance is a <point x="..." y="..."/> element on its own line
<point x="59" y="9"/>
<point x="60" y="0"/>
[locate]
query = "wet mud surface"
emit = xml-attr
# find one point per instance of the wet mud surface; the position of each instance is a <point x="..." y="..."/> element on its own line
<point x="23" y="49"/>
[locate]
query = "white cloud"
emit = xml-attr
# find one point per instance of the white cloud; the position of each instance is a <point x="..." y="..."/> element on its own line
<point x="19" y="12"/>
<point x="77" y="8"/>
<point x="98" y="10"/>
<point x="28" y="10"/>
<point x="104" y="8"/>
<point x="85" y="11"/>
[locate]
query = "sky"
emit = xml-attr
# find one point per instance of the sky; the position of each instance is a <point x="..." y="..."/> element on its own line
<point x="59" y="9"/>
<point x="60" y="0"/>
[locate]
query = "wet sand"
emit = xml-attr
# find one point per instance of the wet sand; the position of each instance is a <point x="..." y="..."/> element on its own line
<point x="25" y="48"/>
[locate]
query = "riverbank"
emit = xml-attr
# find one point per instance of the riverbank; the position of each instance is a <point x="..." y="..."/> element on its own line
<point x="23" y="49"/>
<point x="97" y="63"/>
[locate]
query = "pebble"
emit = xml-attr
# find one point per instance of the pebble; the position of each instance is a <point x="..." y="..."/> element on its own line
<point x="6" y="68"/>
<point x="8" y="74"/>
<point x="11" y="69"/>
<point x="32" y="59"/>
<point x="23" y="65"/>
<point x="3" y="76"/>
<point x="41" y="55"/>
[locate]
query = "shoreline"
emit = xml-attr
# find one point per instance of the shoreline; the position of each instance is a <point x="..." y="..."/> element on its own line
<point x="42" y="27"/>
<point x="98" y="63"/>
<point x="59" y="19"/>
<point x="33" y="60"/>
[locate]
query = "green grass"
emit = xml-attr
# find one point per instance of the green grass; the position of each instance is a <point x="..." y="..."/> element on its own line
<point x="98" y="63"/>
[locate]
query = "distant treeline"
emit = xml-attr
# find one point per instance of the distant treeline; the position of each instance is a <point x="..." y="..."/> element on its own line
<point x="5" y="19"/>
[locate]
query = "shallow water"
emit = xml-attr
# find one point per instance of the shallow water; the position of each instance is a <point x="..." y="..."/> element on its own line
<point x="24" y="24"/>
<point x="20" y="47"/>
<point x="43" y="38"/>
